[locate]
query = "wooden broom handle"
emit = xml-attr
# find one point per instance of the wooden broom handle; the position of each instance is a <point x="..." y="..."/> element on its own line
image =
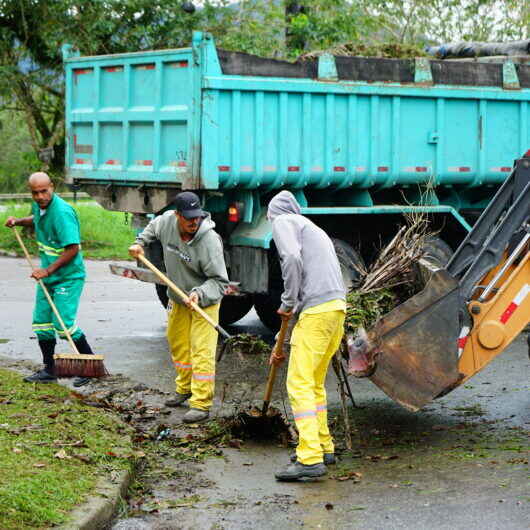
<point x="278" y="349"/>
<point x="46" y="293"/>
<point x="185" y="298"/>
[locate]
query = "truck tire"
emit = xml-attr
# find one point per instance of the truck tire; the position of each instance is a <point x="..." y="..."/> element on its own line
<point x="437" y="252"/>
<point x="234" y="308"/>
<point x="161" y="291"/>
<point x="350" y="263"/>
<point x="266" y="306"/>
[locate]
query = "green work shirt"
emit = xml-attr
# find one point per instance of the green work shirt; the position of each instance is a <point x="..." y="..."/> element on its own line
<point x="57" y="228"/>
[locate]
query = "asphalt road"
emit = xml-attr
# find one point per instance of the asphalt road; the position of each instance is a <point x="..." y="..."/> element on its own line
<point x="460" y="463"/>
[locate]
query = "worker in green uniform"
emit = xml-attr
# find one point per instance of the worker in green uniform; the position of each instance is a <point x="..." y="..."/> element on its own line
<point x="62" y="270"/>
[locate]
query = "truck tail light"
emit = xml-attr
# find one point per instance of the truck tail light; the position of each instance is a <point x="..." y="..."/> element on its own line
<point x="234" y="213"/>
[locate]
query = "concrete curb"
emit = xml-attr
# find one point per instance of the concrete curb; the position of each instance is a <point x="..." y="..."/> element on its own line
<point x="100" y="509"/>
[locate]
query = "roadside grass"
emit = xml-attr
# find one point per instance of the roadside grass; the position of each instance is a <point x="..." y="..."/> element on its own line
<point x="104" y="233"/>
<point x="53" y="448"/>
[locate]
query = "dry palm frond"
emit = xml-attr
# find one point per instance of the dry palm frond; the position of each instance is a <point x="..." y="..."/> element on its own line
<point x="390" y="279"/>
<point x="396" y="261"/>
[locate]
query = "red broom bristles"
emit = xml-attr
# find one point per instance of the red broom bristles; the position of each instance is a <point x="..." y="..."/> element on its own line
<point x="70" y="365"/>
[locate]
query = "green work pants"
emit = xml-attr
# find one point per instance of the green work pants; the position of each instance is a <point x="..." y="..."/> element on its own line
<point x="65" y="296"/>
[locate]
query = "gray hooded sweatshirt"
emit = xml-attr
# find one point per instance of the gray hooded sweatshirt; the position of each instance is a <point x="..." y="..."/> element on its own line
<point x="310" y="268"/>
<point x="197" y="265"/>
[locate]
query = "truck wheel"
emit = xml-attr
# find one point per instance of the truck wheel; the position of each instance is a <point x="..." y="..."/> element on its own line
<point x="234" y="308"/>
<point x="266" y="306"/>
<point x="161" y="291"/>
<point x="437" y="252"/>
<point x="350" y="262"/>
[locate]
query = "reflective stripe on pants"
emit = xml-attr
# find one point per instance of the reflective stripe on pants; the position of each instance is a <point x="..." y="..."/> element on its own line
<point x="315" y="339"/>
<point x="65" y="296"/>
<point x="193" y="342"/>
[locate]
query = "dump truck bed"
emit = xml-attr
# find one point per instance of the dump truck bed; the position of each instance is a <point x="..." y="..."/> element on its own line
<point x="200" y="117"/>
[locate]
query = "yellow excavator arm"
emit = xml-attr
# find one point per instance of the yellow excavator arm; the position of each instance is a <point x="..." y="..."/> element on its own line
<point x="497" y="319"/>
<point x="468" y="313"/>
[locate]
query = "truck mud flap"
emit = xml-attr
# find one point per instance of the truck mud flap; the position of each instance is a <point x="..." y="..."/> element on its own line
<point x="414" y="347"/>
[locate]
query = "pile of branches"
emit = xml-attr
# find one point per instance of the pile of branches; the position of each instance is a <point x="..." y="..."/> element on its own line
<point x="388" y="50"/>
<point x="392" y="278"/>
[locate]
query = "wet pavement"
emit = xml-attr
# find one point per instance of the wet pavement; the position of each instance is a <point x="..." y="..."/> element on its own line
<point x="460" y="463"/>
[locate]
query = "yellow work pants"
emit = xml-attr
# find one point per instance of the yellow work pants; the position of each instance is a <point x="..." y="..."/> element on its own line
<point x="315" y="339"/>
<point x="192" y="342"/>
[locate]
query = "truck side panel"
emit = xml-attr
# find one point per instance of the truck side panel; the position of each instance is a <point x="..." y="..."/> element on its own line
<point x="128" y="117"/>
<point x="273" y="138"/>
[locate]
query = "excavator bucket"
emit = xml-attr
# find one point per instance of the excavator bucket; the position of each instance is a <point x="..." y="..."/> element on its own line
<point x="414" y="347"/>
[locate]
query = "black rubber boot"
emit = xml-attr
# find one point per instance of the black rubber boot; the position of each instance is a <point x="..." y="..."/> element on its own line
<point x="42" y="376"/>
<point x="84" y="348"/>
<point x="47" y="347"/>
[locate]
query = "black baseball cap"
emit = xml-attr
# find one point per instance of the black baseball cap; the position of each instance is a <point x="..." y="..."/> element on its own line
<point x="188" y="204"/>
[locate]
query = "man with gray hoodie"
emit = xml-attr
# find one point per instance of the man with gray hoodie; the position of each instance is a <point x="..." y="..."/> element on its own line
<point x="313" y="290"/>
<point x="194" y="260"/>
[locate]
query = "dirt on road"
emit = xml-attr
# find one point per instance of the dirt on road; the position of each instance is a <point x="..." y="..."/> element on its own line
<point x="460" y="462"/>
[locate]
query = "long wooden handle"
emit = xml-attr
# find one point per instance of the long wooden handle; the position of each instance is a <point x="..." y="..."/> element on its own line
<point x="46" y="293"/>
<point x="185" y="298"/>
<point x="278" y="350"/>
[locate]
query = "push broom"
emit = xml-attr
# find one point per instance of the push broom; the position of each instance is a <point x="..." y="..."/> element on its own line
<point x="68" y="364"/>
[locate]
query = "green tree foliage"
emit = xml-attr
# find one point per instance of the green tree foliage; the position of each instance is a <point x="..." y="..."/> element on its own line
<point x="33" y="31"/>
<point x="16" y="155"/>
<point x="442" y="21"/>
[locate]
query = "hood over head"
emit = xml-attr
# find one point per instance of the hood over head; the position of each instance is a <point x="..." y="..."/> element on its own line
<point x="282" y="203"/>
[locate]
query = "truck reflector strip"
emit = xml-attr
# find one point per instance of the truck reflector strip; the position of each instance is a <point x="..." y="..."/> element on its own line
<point x="113" y="68"/>
<point x="144" y="66"/>
<point x="81" y="71"/>
<point x="459" y="169"/>
<point x="81" y="161"/>
<point x="339" y="168"/>
<point x="462" y="339"/>
<point x="181" y="163"/>
<point x="293" y="168"/>
<point x="382" y="169"/>
<point x="416" y="169"/>
<point x="504" y="169"/>
<point x="360" y="169"/>
<point x="223" y="168"/>
<point x="515" y="303"/>
<point x="179" y="64"/>
<point x="112" y="162"/>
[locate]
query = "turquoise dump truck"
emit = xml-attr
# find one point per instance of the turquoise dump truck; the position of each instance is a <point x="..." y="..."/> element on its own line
<point x="359" y="141"/>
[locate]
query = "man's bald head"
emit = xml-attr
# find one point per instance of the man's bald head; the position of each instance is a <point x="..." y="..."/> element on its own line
<point x="39" y="178"/>
<point x="41" y="188"/>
